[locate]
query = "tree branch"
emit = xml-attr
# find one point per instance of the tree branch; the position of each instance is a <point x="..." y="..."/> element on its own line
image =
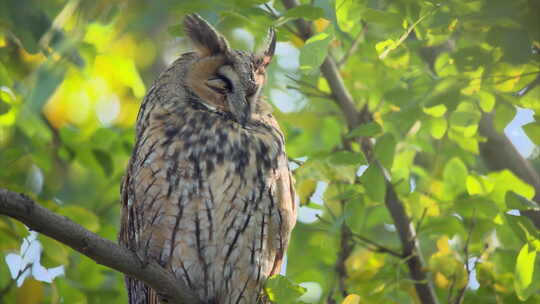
<point x="102" y="251"/>
<point x="499" y="153"/>
<point x="354" y="118"/>
<point x="354" y="46"/>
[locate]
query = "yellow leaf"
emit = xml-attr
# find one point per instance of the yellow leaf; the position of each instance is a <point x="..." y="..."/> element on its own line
<point x="321" y="24"/>
<point x="351" y="299"/>
<point x="441" y="280"/>
<point x="30" y="292"/>
<point x="442" y="245"/>
<point x="305" y="190"/>
<point x="297" y="41"/>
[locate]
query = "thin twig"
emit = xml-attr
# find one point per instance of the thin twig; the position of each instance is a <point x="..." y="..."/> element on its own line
<point x="303" y="83"/>
<point x="270" y="11"/>
<point x="354" y="46"/>
<point x="461" y="294"/>
<point x="377" y="247"/>
<point x="420" y="221"/>
<point x="309" y="94"/>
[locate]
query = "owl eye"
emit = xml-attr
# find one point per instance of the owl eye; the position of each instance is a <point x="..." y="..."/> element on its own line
<point x="219" y="84"/>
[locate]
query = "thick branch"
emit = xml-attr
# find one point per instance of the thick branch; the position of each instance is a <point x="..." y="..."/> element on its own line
<point x="354" y="118"/>
<point x="102" y="251"/>
<point x="499" y="153"/>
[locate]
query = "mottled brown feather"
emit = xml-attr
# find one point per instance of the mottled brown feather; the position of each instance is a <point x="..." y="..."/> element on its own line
<point x="207" y="195"/>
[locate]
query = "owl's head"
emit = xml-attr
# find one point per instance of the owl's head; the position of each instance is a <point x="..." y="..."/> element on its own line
<point x="225" y="79"/>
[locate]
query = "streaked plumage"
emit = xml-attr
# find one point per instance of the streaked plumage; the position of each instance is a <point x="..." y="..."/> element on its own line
<point x="208" y="192"/>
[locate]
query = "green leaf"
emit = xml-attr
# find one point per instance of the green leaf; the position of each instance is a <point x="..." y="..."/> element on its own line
<point x="305" y="11"/>
<point x="346" y="13"/>
<point x="105" y="161"/>
<point x="435" y="111"/>
<point x="533" y="131"/>
<point x="280" y="289"/>
<point x="5" y="79"/>
<point x="47" y="80"/>
<point x="355" y="210"/>
<point x="314" y="51"/>
<point x="504" y="113"/>
<point x="369" y="129"/>
<point x="515" y="44"/>
<point x="464" y="119"/>
<point x="344" y="158"/>
<point x="471" y="58"/>
<point x="382" y="18"/>
<point x="455" y="174"/>
<point x="516" y="201"/>
<point x="478" y="185"/>
<point x="438" y="127"/>
<point x="384" y="150"/>
<point x="374" y="182"/>
<point x="505" y="181"/>
<point x="82" y="216"/>
<point x="487" y="101"/>
<point x="524" y="272"/>
<point x="4" y="106"/>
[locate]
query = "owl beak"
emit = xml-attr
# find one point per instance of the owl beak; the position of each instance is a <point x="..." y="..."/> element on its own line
<point x="240" y="107"/>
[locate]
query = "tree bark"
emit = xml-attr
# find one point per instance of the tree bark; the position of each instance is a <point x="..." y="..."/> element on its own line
<point x="102" y="251"/>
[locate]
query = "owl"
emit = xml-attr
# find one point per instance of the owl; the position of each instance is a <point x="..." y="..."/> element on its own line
<point x="208" y="193"/>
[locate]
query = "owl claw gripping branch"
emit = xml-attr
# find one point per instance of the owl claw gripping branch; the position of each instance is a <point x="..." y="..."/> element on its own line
<point x="208" y="193"/>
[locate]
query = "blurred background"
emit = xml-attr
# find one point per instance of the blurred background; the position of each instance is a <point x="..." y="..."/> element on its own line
<point x="73" y="74"/>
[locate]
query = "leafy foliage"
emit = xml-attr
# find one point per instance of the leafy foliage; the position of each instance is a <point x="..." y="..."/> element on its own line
<point x="72" y="75"/>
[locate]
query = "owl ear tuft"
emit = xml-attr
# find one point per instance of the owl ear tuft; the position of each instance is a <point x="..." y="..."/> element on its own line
<point x="204" y="36"/>
<point x="268" y="52"/>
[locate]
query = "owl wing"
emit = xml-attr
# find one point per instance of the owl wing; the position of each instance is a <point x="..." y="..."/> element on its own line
<point x="134" y="207"/>
<point x="285" y="197"/>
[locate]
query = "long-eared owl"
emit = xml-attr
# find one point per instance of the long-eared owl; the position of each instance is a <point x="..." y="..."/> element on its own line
<point x="208" y="193"/>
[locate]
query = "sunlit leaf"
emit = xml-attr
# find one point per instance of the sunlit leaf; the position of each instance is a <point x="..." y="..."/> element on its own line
<point x="280" y="289"/>
<point x="351" y="299"/>
<point x="524" y="272"/>
<point x="438" y="127"/>
<point x="487" y="101"/>
<point x="504" y="113"/>
<point x="455" y="174"/>
<point x="478" y="185"/>
<point x="506" y="181"/>
<point x="346" y="13"/>
<point x="435" y="111"/>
